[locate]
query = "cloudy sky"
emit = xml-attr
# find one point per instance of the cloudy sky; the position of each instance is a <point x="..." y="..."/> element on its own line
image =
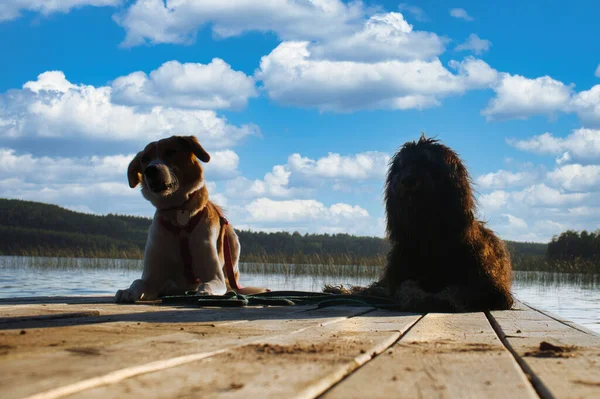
<point x="301" y="103"/>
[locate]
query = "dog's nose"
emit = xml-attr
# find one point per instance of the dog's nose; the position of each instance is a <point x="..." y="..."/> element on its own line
<point x="151" y="171"/>
<point x="409" y="182"/>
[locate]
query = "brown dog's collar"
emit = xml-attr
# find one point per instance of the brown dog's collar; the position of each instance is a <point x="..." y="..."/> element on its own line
<point x="191" y="197"/>
<point x="188" y="228"/>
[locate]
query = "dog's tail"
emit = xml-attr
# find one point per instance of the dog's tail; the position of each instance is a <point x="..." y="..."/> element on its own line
<point x="230" y="264"/>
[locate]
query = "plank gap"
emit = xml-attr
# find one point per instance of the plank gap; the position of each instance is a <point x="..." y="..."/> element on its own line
<point x="540" y="388"/>
<point x="444" y="355"/>
<point x="402" y="334"/>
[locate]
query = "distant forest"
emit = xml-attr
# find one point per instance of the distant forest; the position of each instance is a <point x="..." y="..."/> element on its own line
<point x="36" y="229"/>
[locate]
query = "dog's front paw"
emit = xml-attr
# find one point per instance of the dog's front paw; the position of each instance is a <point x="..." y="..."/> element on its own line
<point x="212" y="288"/>
<point x="136" y="291"/>
<point x="126" y="296"/>
<point x="454" y="297"/>
<point x="409" y="292"/>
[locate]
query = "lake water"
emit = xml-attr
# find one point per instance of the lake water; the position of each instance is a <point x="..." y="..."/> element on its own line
<point x="573" y="297"/>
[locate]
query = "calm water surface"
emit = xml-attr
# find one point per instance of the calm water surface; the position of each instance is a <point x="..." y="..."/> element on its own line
<point x="571" y="296"/>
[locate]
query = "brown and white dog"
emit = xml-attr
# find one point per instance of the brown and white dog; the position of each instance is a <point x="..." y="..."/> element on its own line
<point x="190" y="244"/>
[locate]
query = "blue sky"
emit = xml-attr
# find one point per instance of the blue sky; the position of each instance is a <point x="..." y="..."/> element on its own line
<point x="302" y="102"/>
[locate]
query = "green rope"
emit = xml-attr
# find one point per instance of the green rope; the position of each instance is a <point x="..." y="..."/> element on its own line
<point x="280" y="298"/>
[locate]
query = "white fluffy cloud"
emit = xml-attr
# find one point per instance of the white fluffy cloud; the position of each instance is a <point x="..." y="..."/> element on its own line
<point x="190" y="85"/>
<point x="538" y="195"/>
<point x="47" y="169"/>
<point x="274" y="184"/>
<point x="537" y="231"/>
<point x="290" y="75"/>
<point x="11" y="9"/>
<point x="267" y="210"/>
<point x="582" y="145"/>
<point x="542" y="222"/>
<point x="378" y="60"/>
<point x="311" y="216"/>
<point x="100" y="196"/>
<point x="494" y="200"/>
<point x="362" y="166"/>
<point x="518" y="97"/>
<point x="506" y="179"/>
<point x="157" y="21"/>
<point x="532" y="204"/>
<point x="475" y="73"/>
<point x="585" y="211"/>
<point x="542" y="195"/>
<point x="475" y="44"/>
<point x="461" y="13"/>
<point x="52" y="106"/>
<point x="92" y="183"/>
<point x="301" y="176"/>
<point x="577" y="177"/>
<point x="383" y="37"/>
<point x="285" y="198"/>
<point x="515" y="222"/>
<point x="587" y="106"/>
<point x="538" y="212"/>
<point x="223" y="165"/>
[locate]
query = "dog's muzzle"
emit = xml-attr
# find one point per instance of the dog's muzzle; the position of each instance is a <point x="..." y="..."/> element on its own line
<point x="158" y="178"/>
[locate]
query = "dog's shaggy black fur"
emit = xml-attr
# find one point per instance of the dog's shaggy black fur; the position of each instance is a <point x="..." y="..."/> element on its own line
<point x="442" y="259"/>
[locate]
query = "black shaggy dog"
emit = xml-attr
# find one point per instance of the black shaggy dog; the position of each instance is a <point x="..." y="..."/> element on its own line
<point x="442" y="259"/>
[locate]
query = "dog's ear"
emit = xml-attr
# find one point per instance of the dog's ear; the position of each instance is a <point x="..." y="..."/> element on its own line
<point x="194" y="145"/>
<point x="134" y="170"/>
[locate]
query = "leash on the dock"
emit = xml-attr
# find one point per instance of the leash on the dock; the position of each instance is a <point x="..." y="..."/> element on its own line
<point x="282" y="298"/>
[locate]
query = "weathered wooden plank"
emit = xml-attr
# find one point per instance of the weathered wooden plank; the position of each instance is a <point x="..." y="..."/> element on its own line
<point x="72" y="299"/>
<point x="41" y="336"/>
<point x="442" y="356"/>
<point x="561" y="361"/>
<point x="25" y="310"/>
<point x="116" y="313"/>
<point x="113" y="346"/>
<point x="11" y="316"/>
<point x="299" y="365"/>
<point x="49" y="316"/>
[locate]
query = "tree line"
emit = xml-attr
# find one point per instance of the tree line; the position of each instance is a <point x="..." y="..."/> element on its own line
<point x="37" y="229"/>
<point x="572" y="245"/>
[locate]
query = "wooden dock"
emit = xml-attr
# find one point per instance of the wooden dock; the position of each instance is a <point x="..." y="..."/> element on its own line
<point x="88" y="347"/>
